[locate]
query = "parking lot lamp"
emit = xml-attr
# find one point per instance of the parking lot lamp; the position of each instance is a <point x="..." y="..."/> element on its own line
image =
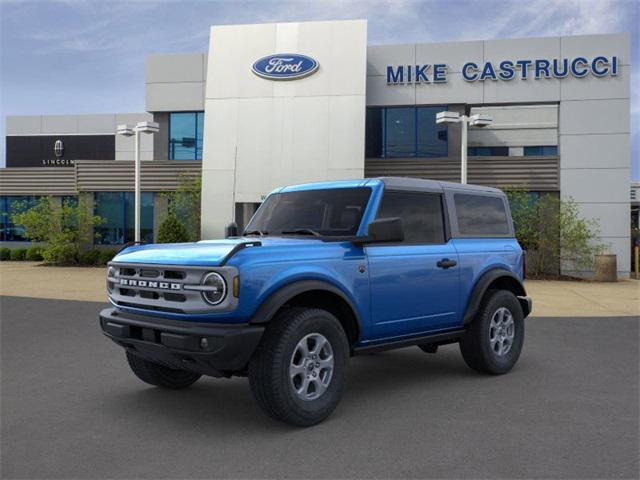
<point x="128" y="131"/>
<point x="477" y="120"/>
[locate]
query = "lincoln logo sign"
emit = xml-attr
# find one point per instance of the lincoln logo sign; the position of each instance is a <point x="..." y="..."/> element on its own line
<point x="58" y="148"/>
<point x="285" y="66"/>
<point x="505" y="70"/>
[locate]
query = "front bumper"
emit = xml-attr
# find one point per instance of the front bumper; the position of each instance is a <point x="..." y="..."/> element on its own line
<point x="182" y="345"/>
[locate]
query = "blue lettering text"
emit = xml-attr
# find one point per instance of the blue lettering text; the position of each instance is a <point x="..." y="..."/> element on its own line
<point x="579" y="67"/>
<point x="600" y="66"/>
<point x="557" y="73"/>
<point x="506" y="70"/>
<point x="421" y="76"/>
<point x="470" y="71"/>
<point x="397" y="76"/>
<point x="542" y="69"/>
<point x="488" y="72"/>
<point x="524" y="68"/>
<point x="439" y="73"/>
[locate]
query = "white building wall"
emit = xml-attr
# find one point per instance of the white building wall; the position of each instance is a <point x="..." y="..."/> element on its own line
<point x="595" y="164"/>
<point x="175" y="82"/>
<point x="261" y="134"/>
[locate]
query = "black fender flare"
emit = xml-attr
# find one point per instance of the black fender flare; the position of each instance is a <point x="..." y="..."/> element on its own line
<point x="482" y="285"/>
<point x="277" y="299"/>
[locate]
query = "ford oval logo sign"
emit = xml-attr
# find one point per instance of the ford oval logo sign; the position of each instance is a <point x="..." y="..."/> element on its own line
<point x="285" y="66"/>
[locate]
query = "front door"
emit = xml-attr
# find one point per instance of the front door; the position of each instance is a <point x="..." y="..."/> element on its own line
<point x="415" y="283"/>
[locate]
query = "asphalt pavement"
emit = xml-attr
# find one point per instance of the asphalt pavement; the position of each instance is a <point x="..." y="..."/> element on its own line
<point x="72" y="409"/>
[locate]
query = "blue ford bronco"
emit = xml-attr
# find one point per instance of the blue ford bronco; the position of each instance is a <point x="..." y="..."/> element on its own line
<point x="322" y="272"/>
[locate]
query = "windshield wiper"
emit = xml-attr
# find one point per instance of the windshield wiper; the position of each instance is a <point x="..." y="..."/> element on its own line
<point x="301" y="231"/>
<point x="255" y="232"/>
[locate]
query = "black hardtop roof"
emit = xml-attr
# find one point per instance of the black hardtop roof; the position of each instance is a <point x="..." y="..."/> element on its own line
<point x="408" y="183"/>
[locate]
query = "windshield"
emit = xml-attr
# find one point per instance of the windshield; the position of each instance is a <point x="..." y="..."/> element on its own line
<point x="328" y="212"/>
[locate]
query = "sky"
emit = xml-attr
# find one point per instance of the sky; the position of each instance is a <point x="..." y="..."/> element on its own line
<point x="87" y="56"/>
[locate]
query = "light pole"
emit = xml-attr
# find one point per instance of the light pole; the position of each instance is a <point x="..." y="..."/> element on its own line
<point x="477" y="120"/>
<point x="128" y="131"/>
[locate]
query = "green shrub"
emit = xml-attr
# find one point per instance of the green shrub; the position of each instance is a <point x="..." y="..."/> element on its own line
<point x="172" y="231"/>
<point x="65" y="254"/>
<point x="64" y="227"/>
<point x="90" y="257"/>
<point x="106" y="256"/>
<point x="34" y="254"/>
<point x="184" y="203"/>
<point x="18" y="254"/>
<point x="5" y="254"/>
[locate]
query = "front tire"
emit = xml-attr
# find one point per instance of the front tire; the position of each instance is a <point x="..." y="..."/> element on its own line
<point x="494" y="340"/>
<point x="159" y="375"/>
<point x="298" y="373"/>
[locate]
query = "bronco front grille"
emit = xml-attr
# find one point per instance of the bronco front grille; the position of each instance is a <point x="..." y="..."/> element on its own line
<point x="164" y="288"/>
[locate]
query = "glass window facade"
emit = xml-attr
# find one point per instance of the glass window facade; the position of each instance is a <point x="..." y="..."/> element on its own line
<point x="541" y="151"/>
<point x="488" y="151"/>
<point x="117" y="209"/>
<point x="9" y="232"/>
<point x="185" y="135"/>
<point x="400" y="132"/>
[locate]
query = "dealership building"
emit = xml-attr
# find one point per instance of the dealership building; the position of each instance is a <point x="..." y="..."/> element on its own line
<point x="276" y="104"/>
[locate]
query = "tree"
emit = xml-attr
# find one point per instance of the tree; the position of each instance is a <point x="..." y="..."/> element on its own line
<point x="579" y="237"/>
<point x="525" y="217"/>
<point x="64" y="227"/>
<point x="184" y="203"/>
<point x="553" y="232"/>
<point x="172" y="231"/>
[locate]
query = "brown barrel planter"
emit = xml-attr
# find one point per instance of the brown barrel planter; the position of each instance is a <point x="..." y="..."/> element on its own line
<point x="606" y="268"/>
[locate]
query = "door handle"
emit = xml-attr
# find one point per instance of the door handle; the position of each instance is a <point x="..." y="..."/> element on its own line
<point x="446" y="263"/>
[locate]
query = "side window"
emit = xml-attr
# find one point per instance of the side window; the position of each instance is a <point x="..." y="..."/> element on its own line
<point x="481" y="215"/>
<point x="421" y="215"/>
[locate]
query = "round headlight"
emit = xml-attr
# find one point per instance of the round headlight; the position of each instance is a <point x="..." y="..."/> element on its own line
<point x="216" y="288"/>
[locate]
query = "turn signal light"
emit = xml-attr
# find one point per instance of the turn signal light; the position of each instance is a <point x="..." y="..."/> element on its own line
<point x="236" y="286"/>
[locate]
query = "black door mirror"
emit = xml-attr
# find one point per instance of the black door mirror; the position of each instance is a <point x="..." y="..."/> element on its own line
<point x="385" y="230"/>
<point x="231" y="230"/>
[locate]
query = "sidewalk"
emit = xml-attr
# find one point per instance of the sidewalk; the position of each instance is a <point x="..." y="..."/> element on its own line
<point x="555" y="298"/>
<point x="551" y="298"/>
<point x="30" y="279"/>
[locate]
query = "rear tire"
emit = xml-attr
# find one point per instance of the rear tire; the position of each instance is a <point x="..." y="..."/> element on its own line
<point x="298" y="372"/>
<point x="494" y="340"/>
<point x="159" y="375"/>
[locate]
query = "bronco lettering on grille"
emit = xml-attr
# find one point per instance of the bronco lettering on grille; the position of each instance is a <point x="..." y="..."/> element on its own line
<point x="150" y="284"/>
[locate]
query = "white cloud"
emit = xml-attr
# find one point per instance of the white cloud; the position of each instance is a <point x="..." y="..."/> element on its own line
<point x="539" y="18"/>
<point x="595" y="16"/>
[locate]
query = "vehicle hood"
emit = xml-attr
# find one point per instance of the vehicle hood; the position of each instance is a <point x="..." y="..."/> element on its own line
<point x="204" y="253"/>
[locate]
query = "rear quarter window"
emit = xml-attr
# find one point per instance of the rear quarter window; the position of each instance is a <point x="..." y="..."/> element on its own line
<point x="481" y="215"/>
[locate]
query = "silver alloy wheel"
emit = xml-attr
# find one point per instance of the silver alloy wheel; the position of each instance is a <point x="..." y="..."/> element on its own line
<point x="311" y="366"/>
<point x="502" y="331"/>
